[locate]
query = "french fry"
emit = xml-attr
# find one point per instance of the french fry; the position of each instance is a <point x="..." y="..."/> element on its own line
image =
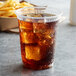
<point x="2" y="13"/>
<point x="26" y="4"/>
<point x="8" y="7"/>
<point x="5" y="4"/>
<point x="10" y="13"/>
<point x="13" y="15"/>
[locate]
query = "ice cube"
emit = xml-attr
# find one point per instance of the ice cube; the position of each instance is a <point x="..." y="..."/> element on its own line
<point x="46" y="42"/>
<point x="33" y="52"/>
<point x="29" y="20"/>
<point x="41" y="21"/>
<point x="28" y="37"/>
<point x="45" y="28"/>
<point x="44" y="39"/>
<point x="34" y="15"/>
<point x="39" y="27"/>
<point x="26" y="25"/>
<point x="48" y="15"/>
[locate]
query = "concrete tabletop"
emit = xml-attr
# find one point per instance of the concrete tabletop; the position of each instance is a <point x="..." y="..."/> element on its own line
<point x="65" y="49"/>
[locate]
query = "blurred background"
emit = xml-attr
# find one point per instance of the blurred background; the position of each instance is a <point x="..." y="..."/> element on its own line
<point x="65" y="54"/>
<point x="63" y="5"/>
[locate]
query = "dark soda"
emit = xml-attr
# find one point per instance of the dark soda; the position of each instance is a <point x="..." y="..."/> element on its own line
<point x="37" y="39"/>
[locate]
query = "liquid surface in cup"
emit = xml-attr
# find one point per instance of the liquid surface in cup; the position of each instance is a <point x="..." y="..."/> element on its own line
<point x="37" y="39"/>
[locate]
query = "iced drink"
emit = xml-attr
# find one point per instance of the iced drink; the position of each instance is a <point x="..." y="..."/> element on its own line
<point x="37" y="39"/>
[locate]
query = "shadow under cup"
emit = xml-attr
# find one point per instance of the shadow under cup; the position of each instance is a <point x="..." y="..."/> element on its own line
<point x="37" y="35"/>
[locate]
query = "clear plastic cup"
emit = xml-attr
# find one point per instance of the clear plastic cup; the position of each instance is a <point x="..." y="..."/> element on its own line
<point x="37" y="35"/>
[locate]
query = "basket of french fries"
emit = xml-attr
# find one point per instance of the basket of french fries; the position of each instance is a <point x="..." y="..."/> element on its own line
<point x="8" y="18"/>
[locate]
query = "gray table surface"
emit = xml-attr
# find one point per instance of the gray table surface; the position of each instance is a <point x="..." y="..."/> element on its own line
<point x="65" y="50"/>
